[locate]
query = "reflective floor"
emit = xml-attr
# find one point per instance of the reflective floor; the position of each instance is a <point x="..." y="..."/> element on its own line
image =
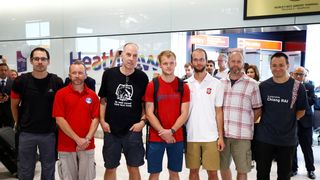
<point x="123" y="175"/>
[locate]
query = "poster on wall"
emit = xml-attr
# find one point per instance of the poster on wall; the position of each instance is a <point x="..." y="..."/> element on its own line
<point x="254" y="9"/>
<point x="21" y="62"/>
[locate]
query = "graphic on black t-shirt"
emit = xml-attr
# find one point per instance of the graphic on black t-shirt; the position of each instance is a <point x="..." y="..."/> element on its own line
<point x="124" y="93"/>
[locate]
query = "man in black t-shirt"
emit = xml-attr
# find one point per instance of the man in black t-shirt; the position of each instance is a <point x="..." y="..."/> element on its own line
<point x="284" y="103"/>
<point x="121" y="114"/>
<point x="32" y="98"/>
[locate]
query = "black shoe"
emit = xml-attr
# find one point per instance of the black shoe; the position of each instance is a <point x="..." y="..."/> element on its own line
<point x="311" y="175"/>
<point x="293" y="173"/>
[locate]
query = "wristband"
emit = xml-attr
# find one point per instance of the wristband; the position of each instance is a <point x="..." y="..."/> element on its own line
<point x="144" y="120"/>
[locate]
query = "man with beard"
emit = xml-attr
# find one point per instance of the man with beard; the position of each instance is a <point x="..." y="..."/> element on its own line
<point x="205" y="123"/>
<point x="241" y="107"/>
<point x="32" y="98"/>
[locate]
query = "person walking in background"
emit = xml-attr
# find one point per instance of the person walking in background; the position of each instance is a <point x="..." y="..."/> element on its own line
<point x="305" y="127"/>
<point x="241" y="108"/>
<point x="32" y="99"/>
<point x="205" y="122"/>
<point x="122" y="114"/>
<point x="76" y="109"/>
<point x="167" y="110"/>
<point x="284" y="103"/>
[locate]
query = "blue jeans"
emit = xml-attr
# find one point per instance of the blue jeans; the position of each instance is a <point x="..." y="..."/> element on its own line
<point x="28" y="144"/>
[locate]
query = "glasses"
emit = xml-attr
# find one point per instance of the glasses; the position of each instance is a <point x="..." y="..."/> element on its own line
<point x="298" y="74"/>
<point x="40" y="58"/>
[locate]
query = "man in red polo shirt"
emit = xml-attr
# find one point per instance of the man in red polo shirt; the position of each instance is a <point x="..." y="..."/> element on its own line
<point x="76" y="109"/>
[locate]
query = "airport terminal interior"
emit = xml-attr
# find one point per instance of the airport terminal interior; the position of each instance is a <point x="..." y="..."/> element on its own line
<point x="93" y="31"/>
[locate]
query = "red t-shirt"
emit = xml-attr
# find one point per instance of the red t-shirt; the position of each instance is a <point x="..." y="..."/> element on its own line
<point x="168" y="106"/>
<point x="78" y="109"/>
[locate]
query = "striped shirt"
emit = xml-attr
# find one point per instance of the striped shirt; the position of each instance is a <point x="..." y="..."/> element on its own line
<point x="238" y="105"/>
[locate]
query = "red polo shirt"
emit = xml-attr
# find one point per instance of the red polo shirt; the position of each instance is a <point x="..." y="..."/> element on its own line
<point x="78" y="109"/>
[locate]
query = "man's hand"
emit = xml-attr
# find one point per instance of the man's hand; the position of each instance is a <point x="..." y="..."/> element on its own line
<point x="220" y="144"/>
<point x="105" y="127"/>
<point x="4" y="98"/>
<point x="137" y="127"/>
<point x="167" y="136"/>
<point x="82" y="144"/>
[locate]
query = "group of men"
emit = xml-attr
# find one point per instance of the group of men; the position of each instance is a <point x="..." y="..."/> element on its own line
<point x="214" y="117"/>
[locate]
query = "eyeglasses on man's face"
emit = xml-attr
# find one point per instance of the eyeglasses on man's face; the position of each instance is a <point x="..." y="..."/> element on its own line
<point x="40" y="58"/>
<point x="298" y="74"/>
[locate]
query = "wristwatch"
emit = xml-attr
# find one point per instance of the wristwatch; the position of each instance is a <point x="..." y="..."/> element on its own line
<point x="172" y="131"/>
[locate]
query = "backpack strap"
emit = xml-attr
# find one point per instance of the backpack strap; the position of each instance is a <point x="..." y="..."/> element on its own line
<point x="295" y="89"/>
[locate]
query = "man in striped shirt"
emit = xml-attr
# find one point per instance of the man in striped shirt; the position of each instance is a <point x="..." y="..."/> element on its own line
<point x="241" y="107"/>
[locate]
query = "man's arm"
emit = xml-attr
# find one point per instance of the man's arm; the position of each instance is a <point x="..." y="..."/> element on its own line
<point x="257" y="113"/>
<point x="137" y="127"/>
<point x="153" y="120"/>
<point x="220" y="127"/>
<point x="105" y="126"/>
<point x="300" y="114"/>
<point x="14" y="109"/>
<point x="93" y="128"/>
<point x="65" y="127"/>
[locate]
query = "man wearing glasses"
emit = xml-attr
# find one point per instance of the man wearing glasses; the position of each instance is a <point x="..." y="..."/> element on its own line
<point x="32" y="98"/>
<point x="305" y="127"/>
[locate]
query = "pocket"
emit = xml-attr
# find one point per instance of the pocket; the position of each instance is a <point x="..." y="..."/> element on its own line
<point x="92" y="164"/>
<point x="249" y="158"/>
<point x="135" y="137"/>
<point x="60" y="170"/>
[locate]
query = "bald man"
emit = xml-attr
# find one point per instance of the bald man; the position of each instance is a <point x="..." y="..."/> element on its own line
<point x="305" y="126"/>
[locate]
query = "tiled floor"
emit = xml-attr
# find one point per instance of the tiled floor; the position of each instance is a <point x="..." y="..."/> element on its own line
<point x="123" y="175"/>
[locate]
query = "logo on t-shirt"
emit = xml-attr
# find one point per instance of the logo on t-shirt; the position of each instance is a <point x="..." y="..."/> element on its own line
<point x="277" y="99"/>
<point x="209" y="90"/>
<point x="124" y="92"/>
<point x="88" y="100"/>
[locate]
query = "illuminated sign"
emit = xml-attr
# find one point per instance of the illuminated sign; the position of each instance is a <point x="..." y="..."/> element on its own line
<point x="216" y="41"/>
<point x="255" y="9"/>
<point x="104" y="61"/>
<point x="259" y="44"/>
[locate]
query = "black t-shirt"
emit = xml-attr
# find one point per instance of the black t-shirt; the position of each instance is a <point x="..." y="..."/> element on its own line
<point x="278" y="121"/>
<point x="36" y="95"/>
<point x="124" y="97"/>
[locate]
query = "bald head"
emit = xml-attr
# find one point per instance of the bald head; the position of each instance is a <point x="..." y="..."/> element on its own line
<point x="299" y="73"/>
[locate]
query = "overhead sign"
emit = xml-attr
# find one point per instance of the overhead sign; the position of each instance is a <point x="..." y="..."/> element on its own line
<point x="257" y="9"/>
<point x="259" y="44"/>
<point x="216" y="41"/>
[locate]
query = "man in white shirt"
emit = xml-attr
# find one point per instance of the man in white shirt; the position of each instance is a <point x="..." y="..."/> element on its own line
<point x="205" y="123"/>
<point x="222" y="71"/>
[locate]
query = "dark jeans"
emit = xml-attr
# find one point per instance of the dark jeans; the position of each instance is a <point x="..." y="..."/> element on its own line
<point x="28" y="144"/>
<point x="264" y="155"/>
<point x="305" y="141"/>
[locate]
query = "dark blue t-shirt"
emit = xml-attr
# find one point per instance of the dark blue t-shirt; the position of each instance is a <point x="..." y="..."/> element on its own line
<point x="278" y="121"/>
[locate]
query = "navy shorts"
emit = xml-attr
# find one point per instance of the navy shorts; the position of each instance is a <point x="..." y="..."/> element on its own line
<point x="131" y="145"/>
<point x="155" y="156"/>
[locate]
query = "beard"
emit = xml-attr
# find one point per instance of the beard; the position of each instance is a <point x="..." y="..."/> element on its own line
<point x="235" y="70"/>
<point x="199" y="70"/>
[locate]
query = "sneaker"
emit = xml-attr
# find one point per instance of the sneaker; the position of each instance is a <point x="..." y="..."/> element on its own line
<point x="293" y="173"/>
<point x="311" y="175"/>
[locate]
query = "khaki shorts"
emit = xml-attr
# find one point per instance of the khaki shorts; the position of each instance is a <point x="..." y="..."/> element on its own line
<point x="240" y="151"/>
<point x="202" y="153"/>
<point x="77" y="165"/>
